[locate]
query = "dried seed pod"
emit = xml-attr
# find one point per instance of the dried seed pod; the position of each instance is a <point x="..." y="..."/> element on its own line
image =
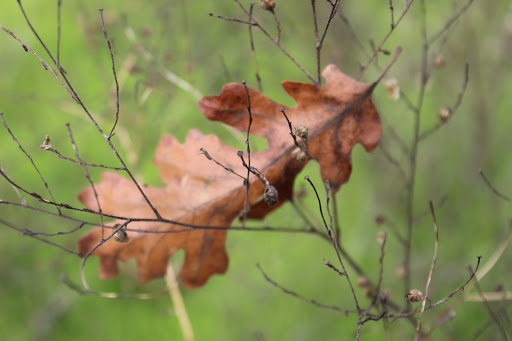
<point x="392" y="88"/>
<point x="381" y="237"/>
<point x="362" y="282"/>
<point x="444" y="114"/>
<point x="268" y="5"/>
<point x="46" y="143"/>
<point x="270" y="194"/>
<point x="438" y="61"/>
<point x="121" y="236"/>
<point x="299" y="155"/>
<point x="302" y="131"/>
<point x="414" y="296"/>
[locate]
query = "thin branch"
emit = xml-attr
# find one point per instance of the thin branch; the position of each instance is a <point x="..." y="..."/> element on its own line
<point x="379" y="46"/>
<point x="247" y="181"/>
<point x="450" y="22"/>
<point x="317" y="39"/>
<point x="489" y="309"/>
<point x="59" y="22"/>
<point x="265" y="32"/>
<point x="330" y="232"/>
<point x="432" y="305"/>
<point x="429" y="278"/>
<point x="330" y="265"/>
<point x="320" y="42"/>
<point x="44" y="64"/>
<point x="187" y="227"/>
<point x="23" y="202"/>
<point x="209" y="157"/>
<point x="491" y="187"/>
<point x="32" y="233"/>
<point x="253" y="51"/>
<point x="233" y="19"/>
<point x="83" y="163"/>
<point x="294" y="294"/>
<point x="30" y="159"/>
<point x="75" y="96"/>
<point x="381" y="267"/>
<point x="25" y="232"/>
<point x="413" y="156"/>
<point x="391" y="9"/>
<point x="301" y="146"/>
<point x="337" y="228"/>
<point x="453" y="109"/>
<point x="86" y="172"/>
<point x="113" y="71"/>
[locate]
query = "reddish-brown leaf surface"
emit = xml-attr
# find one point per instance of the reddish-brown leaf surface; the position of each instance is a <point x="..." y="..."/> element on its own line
<point x="339" y="114"/>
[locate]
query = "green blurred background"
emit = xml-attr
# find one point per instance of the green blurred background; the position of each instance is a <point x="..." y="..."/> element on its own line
<point x="209" y="52"/>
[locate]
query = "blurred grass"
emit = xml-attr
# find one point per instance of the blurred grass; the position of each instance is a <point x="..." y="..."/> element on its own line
<point x="240" y="305"/>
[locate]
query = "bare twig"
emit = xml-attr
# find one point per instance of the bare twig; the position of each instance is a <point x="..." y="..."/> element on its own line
<point x="429" y="278"/>
<point x="392" y="10"/>
<point x="332" y="236"/>
<point x="114" y="73"/>
<point x="432" y="305"/>
<point x="453" y="109"/>
<point x="59" y="22"/>
<point x="489" y="309"/>
<point x="253" y="50"/>
<point x="381" y="267"/>
<point x="329" y="264"/>
<point x="209" y="157"/>
<point x="294" y="294"/>
<point x="75" y="96"/>
<point x="491" y="187"/>
<point x="450" y="22"/>
<point x="84" y="163"/>
<point x="265" y="32"/>
<point x="86" y="172"/>
<point x="25" y="232"/>
<point x="379" y="46"/>
<point x="30" y="159"/>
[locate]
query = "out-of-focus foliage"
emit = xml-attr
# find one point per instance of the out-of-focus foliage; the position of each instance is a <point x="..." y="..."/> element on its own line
<point x="209" y="52"/>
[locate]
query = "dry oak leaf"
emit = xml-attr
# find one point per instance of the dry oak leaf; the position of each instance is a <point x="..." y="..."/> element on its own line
<point x="338" y="114"/>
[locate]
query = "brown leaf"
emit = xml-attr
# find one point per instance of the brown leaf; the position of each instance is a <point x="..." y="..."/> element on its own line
<point x="338" y="114"/>
<point x="197" y="191"/>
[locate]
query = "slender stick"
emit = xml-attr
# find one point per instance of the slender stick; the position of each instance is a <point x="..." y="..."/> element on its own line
<point x="113" y="71"/>
<point x="30" y="159"/>
<point x="429" y="278"/>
